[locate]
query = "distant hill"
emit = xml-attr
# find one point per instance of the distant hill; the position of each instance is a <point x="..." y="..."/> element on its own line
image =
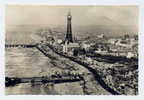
<point x="109" y="31"/>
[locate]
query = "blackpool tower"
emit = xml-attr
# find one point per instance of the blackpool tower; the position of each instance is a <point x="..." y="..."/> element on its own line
<point x="69" y="37"/>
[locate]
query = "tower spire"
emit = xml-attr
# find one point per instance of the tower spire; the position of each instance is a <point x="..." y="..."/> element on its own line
<point x="68" y="37"/>
<point x="69" y="13"/>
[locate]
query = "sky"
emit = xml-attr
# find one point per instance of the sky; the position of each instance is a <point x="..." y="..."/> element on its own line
<point x="81" y="15"/>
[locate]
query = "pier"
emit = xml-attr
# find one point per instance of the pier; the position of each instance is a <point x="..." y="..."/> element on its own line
<point x="55" y="79"/>
<point x="20" y="45"/>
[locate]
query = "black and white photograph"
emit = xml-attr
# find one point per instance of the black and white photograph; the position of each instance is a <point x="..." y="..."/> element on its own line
<point x="71" y="49"/>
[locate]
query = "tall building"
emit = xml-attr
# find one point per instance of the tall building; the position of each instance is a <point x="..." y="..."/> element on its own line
<point x="69" y="43"/>
<point x="69" y="37"/>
